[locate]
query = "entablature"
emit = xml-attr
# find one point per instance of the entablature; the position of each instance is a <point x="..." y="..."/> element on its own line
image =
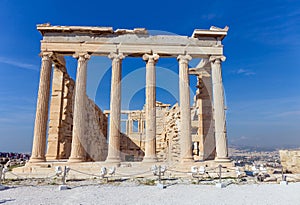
<point x="68" y="40"/>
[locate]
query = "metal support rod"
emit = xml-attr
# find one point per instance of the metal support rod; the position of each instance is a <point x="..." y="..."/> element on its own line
<point x="283" y="177"/>
<point x="159" y="174"/>
<point x="220" y="172"/>
<point x="1" y="171"/>
<point x="64" y="176"/>
<point x="197" y="177"/>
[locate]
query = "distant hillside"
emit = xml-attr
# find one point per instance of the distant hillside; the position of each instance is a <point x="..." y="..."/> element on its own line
<point x="262" y="148"/>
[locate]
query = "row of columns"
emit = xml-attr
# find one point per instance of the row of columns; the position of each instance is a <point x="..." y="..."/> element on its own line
<point x="77" y="151"/>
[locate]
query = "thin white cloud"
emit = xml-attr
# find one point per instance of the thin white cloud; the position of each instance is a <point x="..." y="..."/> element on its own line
<point x="283" y="32"/>
<point x="20" y="117"/>
<point x="247" y="72"/>
<point x="18" y="64"/>
<point x="242" y="139"/>
<point x="288" y="114"/>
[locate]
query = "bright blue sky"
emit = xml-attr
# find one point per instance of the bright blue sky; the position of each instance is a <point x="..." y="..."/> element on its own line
<point x="261" y="73"/>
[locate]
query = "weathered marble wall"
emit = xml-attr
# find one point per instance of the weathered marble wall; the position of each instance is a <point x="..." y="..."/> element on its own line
<point x="133" y="140"/>
<point x="132" y="144"/>
<point x="168" y="133"/>
<point x="171" y="133"/>
<point x="61" y="116"/>
<point x="131" y="148"/>
<point x="61" y="122"/>
<point x="161" y="121"/>
<point x="203" y="121"/>
<point x="67" y="119"/>
<point x="290" y="160"/>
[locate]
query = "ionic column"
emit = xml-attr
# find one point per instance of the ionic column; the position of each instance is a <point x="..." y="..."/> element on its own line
<point x="79" y="121"/>
<point x="150" y="141"/>
<point x="185" y="110"/>
<point x="41" y="118"/>
<point x="219" y="109"/>
<point x="115" y="109"/>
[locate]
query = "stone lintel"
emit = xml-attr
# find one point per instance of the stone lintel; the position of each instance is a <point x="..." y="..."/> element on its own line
<point x="47" y="28"/>
<point x="132" y="49"/>
<point x="199" y="72"/>
<point x="213" y="32"/>
<point x="67" y="40"/>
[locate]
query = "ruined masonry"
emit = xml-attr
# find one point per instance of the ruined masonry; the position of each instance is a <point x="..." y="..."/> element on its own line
<point x="290" y="160"/>
<point x="75" y="129"/>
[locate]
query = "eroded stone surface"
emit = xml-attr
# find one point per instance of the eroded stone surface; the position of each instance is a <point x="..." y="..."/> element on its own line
<point x="290" y="160"/>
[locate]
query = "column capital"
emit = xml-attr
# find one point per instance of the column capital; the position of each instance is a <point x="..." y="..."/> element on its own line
<point x="81" y="56"/>
<point x="184" y="58"/>
<point x="151" y="57"/>
<point x="46" y="55"/>
<point x="217" y="58"/>
<point x="116" y="56"/>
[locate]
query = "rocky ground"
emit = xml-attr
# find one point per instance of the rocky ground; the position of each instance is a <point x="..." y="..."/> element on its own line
<point x="144" y="192"/>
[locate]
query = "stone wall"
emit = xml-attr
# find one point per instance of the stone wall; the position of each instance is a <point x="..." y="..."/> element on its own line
<point x="202" y="124"/>
<point x="61" y="122"/>
<point x="133" y="140"/>
<point x="95" y="132"/>
<point x="66" y="128"/>
<point x="161" y="122"/>
<point x="132" y="143"/>
<point x="290" y="160"/>
<point x="170" y="136"/>
<point x="168" y="133"/>
<point x="61" y="116"/>
<point x="131" y="148"/>
<point x="203" y="121"/>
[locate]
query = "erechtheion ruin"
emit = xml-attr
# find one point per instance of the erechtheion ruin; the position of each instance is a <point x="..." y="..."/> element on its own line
<point x="76" y="130"/>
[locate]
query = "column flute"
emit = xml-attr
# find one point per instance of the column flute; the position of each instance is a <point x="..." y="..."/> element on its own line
<point x="41" y="118"/>
<point x="115" y="109"/>
<point x="79" y="119"/>
<point x="150" y="143"/>
<point x="185" y="110"/>
<point x="219" y="109"/>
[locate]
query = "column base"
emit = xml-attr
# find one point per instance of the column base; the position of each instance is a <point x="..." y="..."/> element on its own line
<point x="113" y="160"/>
<point x="76" y="160"/>
<point x="197" y="159"/>
<point x="186" y="160"/>
<point x="222" y="159"/>
<point x="49" y="158"/>
<point x="37" y="159"/>
<point x="149" y="159"/>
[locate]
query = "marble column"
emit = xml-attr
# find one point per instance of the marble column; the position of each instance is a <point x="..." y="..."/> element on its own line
<point x="185" y="110"/>
<point x="115" y="109"/>
<point x="219" y="109"/>
<point x="150" y="141"/>
<point x="79" y="117"/>
<point x="41" y="118"/>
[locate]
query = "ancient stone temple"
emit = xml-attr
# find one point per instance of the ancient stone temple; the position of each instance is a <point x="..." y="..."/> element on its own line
<point x="75" y="129"/>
